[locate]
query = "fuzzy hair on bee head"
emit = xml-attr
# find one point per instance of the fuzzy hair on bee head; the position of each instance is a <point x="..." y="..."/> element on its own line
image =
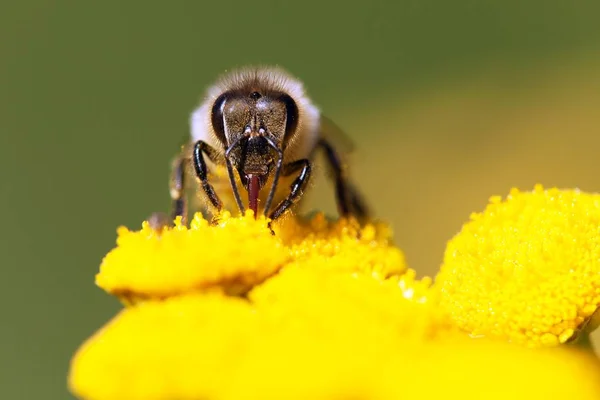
<point x="263" y="79"/>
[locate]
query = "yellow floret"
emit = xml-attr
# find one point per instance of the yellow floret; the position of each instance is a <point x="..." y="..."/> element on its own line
<point x="342" y="246"/>
<point x="239" y="253"/>
<point x="181" y="348"/>
<point x="232" y="256"/>
<point x="339" y="303"/>
<point x="365" y="342"/>
<point x="527" y="268"/>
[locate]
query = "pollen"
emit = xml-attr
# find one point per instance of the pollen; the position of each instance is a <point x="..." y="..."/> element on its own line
<point x="526" y="269"/>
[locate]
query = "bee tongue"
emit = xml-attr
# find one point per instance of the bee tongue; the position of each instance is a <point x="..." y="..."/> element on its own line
<point x="253" y="189"/>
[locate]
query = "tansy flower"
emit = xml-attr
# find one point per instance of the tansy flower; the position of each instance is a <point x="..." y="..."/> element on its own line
<point x="233" y="257"/>
<point x="201" y="346"/>
<point x="342" y="246"/>
<point x="319" y="310"/>
<point x="239" y="253"/>
<point x="527" y="268"/>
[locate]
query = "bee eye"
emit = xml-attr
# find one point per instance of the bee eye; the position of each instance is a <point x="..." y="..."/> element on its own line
<point x="255" y="95"/>
<point x="291" y="117"/>
<point x="217" y="117"/>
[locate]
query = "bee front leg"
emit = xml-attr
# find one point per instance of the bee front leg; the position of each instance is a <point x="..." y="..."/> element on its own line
<point x="297" y="186"/>
<point x="201" y="148"/>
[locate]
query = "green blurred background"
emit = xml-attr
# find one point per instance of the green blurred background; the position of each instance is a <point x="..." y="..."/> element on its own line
<point x="448" y="103"/>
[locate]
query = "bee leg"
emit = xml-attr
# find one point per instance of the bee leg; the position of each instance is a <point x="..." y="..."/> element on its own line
<point x="359" y="208"/>
<point x="201" y="171"/>
<point x="159" y="220"/>
<point x="177" y="190"/>
<point x="349" y="201"/>
<point x="297" y="186"/>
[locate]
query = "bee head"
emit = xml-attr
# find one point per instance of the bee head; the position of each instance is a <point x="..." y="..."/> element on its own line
<point x="254" y="125"/>
<point x="258" y="118"/>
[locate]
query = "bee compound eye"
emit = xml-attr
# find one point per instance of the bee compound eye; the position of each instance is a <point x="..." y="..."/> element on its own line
<point x="217" y="120"/>
<point x="291" y="109"/>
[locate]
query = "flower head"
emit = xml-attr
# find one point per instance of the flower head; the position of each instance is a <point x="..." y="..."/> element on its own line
<point x="527" y="268"/>
<point x="180" y="348"/>
<point x="233" y="257"/>
<point x="201" y="346"/>
<point x="342" y="246"/>
<point x="239" y="253"/>
<point x="329" y="310"/>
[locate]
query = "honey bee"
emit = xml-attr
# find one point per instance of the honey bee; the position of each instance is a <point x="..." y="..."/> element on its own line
<point x="257" y="129"/>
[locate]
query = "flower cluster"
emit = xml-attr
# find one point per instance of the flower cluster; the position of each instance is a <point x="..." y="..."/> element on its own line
<point x="526" y="269"/>
<point x="329" y="310"/>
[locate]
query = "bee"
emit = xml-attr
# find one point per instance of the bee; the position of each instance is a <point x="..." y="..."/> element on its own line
<point x="252" y="145"/>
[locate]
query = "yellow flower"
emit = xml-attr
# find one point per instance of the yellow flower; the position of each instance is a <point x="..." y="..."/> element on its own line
<point x="527" y="268"/>
<point x="181" y="348"/>
<point x="208" y="346"/>
<point x="328" y="310"/>
<point x="239" y="253"/>
<point x="340" y="302"/>
<point x="233" y="257"/>
<point x="342" y="246"/>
